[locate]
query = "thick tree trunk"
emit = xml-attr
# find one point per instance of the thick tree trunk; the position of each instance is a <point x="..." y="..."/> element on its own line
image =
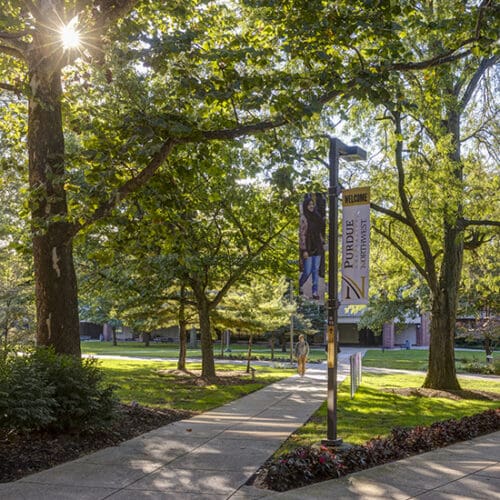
<point x="55" y="278"/>
<point x="207" y="353"/>
<point x="442" y="372"/>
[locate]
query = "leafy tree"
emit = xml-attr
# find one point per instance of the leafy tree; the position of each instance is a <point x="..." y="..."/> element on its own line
<point x="72" y="96"/>
<point x="485" y="329"/>
<point x="16" y="314"/>
<point x="151" y="77"/>
<point x="382" y="310"/>
<point x="425" y="185"/>
<point x="255" y="308"/>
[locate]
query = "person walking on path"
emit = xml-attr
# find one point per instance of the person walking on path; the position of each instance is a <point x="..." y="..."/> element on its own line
<point x="301" y="353"/>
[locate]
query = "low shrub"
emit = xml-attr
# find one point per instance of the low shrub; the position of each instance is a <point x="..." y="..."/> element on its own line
<point x="308" y="465"/>
<point x="484" y="368"/>
<point x="41" y="390"/>
<point x="303" y="466"/>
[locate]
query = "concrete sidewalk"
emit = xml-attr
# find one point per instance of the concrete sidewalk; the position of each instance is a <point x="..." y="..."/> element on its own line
<point x="208" y="456"/>
<point x="212" y="456"/>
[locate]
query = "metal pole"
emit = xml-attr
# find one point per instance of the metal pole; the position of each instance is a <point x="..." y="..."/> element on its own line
<point x="291" y="322"/>
<point x="333" y="304"/>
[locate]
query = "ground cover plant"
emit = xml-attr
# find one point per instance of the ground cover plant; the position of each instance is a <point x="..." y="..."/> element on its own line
<point x="391" y="417"/>
<point x="308" y="465"/>
<point x="151" y="394"/>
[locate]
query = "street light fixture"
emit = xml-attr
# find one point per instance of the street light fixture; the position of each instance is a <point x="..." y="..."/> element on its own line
<point x="348" y="153"/>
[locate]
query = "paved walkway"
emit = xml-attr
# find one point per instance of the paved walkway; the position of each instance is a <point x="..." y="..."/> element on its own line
<point x="212" y="456"/>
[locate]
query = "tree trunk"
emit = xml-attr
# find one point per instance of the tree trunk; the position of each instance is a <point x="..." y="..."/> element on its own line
<point x="6" y="335"/>
<point x="283" y="342"/>
<point x="222" y="343"/>
<point x="249" y="354"/>
<point x="207" y="353"/>
<point x="55" y="278"/>
<point x="181" y="362"/>
<point x="442" y="372"/>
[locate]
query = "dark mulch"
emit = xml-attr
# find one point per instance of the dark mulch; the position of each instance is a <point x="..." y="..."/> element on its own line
<point x="23" y="454"/>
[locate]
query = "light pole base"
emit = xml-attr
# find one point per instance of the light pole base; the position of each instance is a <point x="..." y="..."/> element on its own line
<point x="331" y="442"/>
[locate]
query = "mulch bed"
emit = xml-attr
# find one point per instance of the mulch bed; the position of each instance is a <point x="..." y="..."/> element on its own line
<point x="23" y="454"/>
<point x="190" y="377"/>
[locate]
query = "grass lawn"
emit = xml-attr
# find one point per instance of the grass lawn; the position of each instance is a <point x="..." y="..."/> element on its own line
<point x="142" y="382"/>
<point x="417" y="359"/>
<point x="171" y="350"/>
<point x="374" y="412"/>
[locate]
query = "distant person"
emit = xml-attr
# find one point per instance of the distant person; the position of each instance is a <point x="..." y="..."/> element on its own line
<point x="311" y="244"/>
<point x="301" y="353"/>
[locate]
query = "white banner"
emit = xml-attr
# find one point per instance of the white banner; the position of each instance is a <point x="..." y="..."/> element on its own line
<point x="355" y="245"/>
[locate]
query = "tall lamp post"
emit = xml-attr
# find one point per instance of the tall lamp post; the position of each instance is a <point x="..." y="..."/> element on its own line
<point x="348" y="153"/>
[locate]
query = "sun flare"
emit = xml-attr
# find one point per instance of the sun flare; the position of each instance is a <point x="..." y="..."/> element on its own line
<point x="70" y="35"/>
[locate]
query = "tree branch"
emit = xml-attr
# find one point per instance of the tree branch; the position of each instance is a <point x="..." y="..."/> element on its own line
<point x="468" y="222"/>
<point x="107" y="12"/>
<point x="417" y="231"/>
<point x="33" y="8"/>
<point x="391" y="213"/>
<point x="406" y="254"/>
<point x="446" y="57"/>
<point x="128" y="187"/>
<point x="471" y="87"/>
<point x="12" y="50"/>
<point x="11" y="88"/>
<point x="485" y="4"/>
<point x="238" y="273"/>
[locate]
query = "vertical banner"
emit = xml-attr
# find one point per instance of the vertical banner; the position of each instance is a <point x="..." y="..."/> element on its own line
<point x="312" y="247"/>
<point x="355" y="245"/>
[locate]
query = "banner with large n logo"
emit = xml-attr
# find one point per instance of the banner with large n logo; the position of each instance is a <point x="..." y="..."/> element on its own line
<point x="355" y="245"/>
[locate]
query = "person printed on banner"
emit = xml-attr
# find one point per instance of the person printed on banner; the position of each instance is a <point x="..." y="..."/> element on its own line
<point x="301" y="353"/>
<point x="311" y="244"/>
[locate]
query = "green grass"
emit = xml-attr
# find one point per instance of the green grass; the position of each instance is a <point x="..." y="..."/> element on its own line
<point x="416" y="359"/>
<point x="171" y="350"/>
<point x="140" y="381"/>
<point x="374" y="412"/>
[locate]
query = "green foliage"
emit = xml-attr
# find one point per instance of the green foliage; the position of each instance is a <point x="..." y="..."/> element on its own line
<point x="307" y="465"/>
<point x="45" y="391"/>
<point x="382" y="310"/>
<point x="256" y="307"/>
<point x="484" y="368"/>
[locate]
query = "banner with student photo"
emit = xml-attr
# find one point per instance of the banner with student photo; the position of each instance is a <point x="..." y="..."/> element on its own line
<point x="355" y="245"/>
<point x="312" y="229"/>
